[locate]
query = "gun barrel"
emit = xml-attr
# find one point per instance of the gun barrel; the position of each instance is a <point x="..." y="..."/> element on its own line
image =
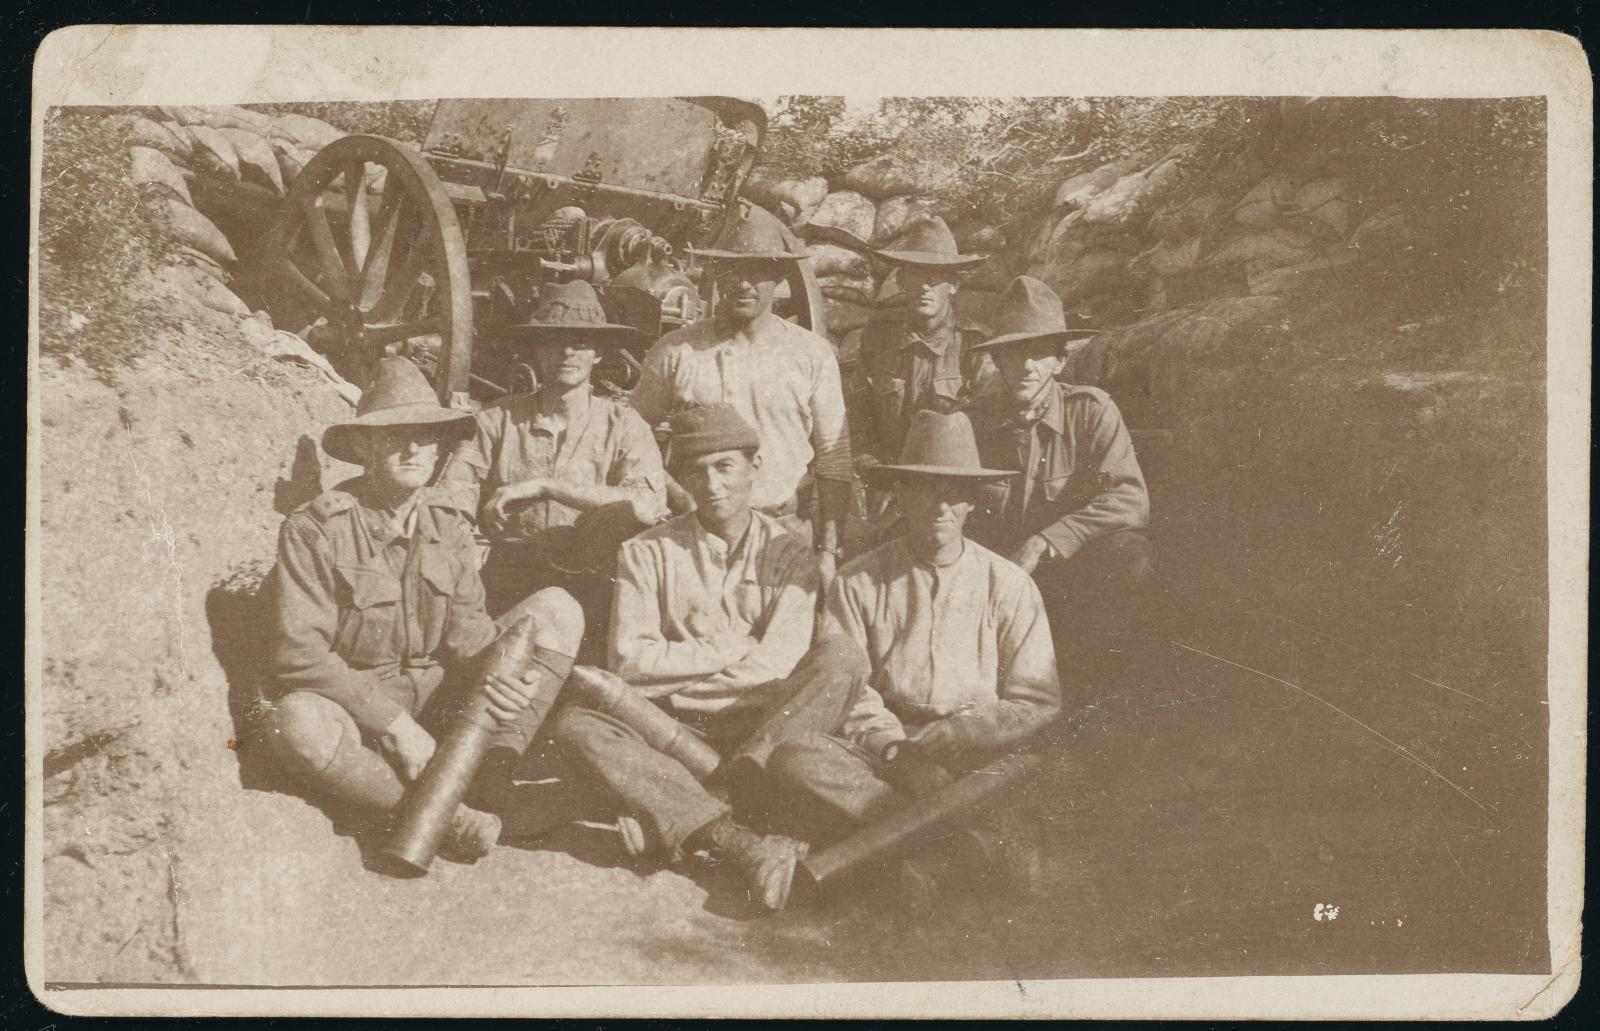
<point x="914" y="825"/>
<point x="429" y="805"/>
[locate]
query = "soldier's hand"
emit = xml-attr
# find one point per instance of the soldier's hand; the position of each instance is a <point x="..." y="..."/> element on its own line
<point x="408" y="744"/>
<point x="1030" y="552"/>
<point x="915" y="772"/>
<point x="938" y="742"/>
<point x="495" y="512"/>
<point x="508" y="698"/>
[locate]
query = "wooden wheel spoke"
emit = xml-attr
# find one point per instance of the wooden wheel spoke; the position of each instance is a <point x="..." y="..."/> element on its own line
<point x="333" y="266"/>
<point x="402" y="281"/>
<point x="355" y="193"/>
<point x="383" y="263"/>
<point x="309" y="290"/>
<point x="391" y="213"/>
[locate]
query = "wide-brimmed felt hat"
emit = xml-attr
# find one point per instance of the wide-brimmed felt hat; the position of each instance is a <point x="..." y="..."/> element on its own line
<point x="1030" y="310"/>
<point x="399" y="396"/>
<point x="572" y="311"/>
<point x="752" y="234"/>
<point x="927" y="242"/>
<point x="937" y="444"/>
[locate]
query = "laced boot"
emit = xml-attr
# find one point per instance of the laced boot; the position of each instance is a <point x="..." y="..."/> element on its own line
<point x="767" y="861"/>
<point x="473" y="834"/>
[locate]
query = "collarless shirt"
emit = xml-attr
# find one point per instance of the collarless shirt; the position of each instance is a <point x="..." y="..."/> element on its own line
<point x="1078" y="476"/>
<point x="708" y="624"/>
<point x="967" y="640"/>
<point x="609" y="445"/>
<point x="783" y="379"/>
<point x="356" y="622"/>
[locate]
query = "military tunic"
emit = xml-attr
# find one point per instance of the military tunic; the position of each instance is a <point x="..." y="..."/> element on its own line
<point x="902" y="371"/>
<point x="1078" y="477"/>
<point x="369" y="612"/>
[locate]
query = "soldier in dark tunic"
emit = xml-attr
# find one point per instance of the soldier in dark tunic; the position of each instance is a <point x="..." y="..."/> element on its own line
<point x="379" y="617"/>
<point x="1074" y="516"/>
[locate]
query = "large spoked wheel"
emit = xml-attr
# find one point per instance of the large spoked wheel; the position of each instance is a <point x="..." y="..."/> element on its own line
<point x="370" y="250"/>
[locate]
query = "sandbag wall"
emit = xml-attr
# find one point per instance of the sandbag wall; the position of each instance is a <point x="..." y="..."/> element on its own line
<point x="1126" y="239"/>
<point x="220" y="174"/>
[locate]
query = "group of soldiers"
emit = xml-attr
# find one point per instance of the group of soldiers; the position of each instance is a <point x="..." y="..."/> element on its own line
<point x="713" y="580"/>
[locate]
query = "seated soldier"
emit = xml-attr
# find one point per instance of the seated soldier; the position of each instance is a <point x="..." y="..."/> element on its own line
<point x="1073" y="517"/>
<point x="541" y="460"/>
<point x="962" y="665"/>
<point x="714" y="610"/>
<point x="378" y="604"/>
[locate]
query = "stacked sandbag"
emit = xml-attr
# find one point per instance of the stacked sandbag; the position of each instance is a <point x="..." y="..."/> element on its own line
<point x="208" y="167"/>
<point x="1137" y="234"/>
<point x="895" y="213"/>
<point x="847" y="210"/>
<point x="284" y="346"/>
<point x="793" y="200"/>
<point x="894" y="175"/>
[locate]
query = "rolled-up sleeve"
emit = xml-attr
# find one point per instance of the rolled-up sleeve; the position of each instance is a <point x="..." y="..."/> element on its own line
<point x="830" y="425"/>
<point x="1120" y="501"/>
<point x="469" y="465"/>
<point x="306" y="614"/>
<point x="637" y="462"/>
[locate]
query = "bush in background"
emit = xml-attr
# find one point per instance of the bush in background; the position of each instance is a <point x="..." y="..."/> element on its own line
<point x="97" y="235"/>
<point x="403" y="120"/>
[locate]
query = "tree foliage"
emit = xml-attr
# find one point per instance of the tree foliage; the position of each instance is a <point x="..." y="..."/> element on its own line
<point x="1008" y="152"/>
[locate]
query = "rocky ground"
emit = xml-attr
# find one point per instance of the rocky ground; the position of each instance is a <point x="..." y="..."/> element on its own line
<point x="1345" y="705"/>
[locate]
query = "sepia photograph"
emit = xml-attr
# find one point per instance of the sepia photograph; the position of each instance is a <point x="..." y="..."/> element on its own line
<point x="899" y="537"/>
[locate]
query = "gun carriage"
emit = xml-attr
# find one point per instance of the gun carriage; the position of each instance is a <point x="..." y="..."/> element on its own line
<point x="440" y="255"/>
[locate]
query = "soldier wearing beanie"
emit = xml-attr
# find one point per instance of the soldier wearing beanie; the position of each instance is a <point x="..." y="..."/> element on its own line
<point x="777" y="375"/>
<point x="712" y="623"/>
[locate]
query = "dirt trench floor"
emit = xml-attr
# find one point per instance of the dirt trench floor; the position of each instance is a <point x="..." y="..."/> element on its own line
<point x="1193" y="822"/>
<point x="1194" y="830"/>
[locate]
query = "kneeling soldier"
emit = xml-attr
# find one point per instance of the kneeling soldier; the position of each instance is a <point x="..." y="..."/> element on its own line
<point x="714" y="614"/>
<point x="1075" y="512"/>
<point x="378" y="603"/>
<point x="962" y="665"/>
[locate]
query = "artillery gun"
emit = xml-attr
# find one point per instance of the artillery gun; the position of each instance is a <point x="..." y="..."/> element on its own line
<point x="440" y="255"/>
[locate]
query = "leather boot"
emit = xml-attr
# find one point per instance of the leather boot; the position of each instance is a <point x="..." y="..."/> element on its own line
<point x="767" y="861"/>
<point x="473" y="834"/>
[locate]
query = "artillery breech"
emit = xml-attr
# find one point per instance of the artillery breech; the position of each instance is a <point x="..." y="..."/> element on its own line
<point x="922" y="820"/>
<point x="430" y="803"/>
<point x="659" y="730"/>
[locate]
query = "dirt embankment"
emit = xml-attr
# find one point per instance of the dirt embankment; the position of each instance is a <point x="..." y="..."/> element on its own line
<point x="1343" y="431"/>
